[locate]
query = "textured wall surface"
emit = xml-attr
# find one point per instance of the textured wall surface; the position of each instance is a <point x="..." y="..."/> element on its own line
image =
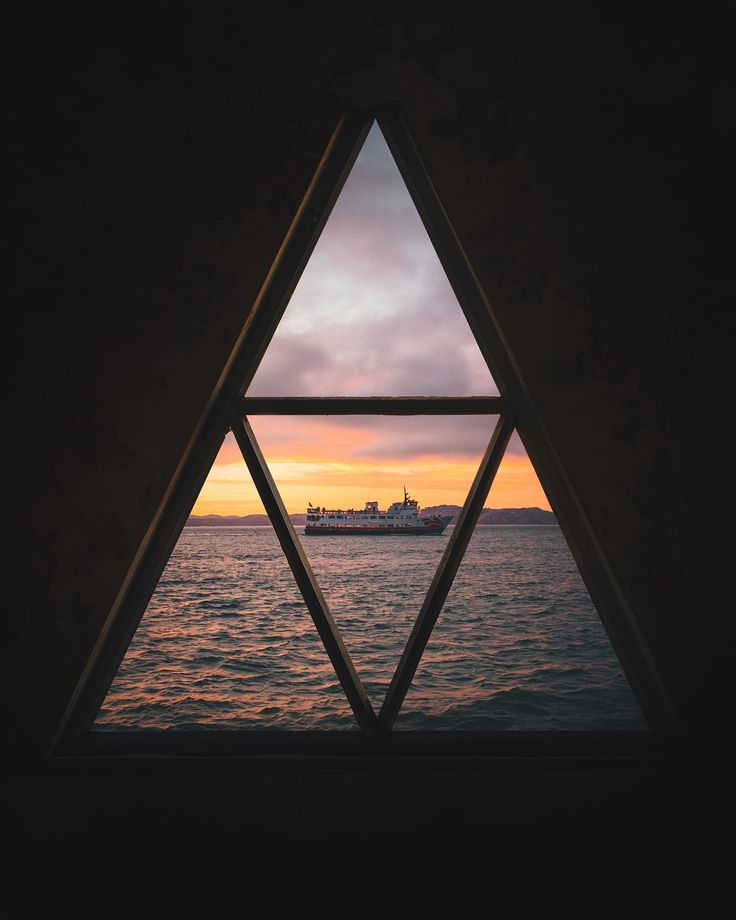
<point x="582" y="161"/>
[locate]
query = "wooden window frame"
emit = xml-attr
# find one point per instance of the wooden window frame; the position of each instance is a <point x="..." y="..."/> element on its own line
<point x="375" y="745"/>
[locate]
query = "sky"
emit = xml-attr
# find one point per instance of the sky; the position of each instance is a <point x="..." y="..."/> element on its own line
<point x="372" y="315"/>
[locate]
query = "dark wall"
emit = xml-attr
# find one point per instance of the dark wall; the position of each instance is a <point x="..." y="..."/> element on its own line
<point x="581" y="156"/>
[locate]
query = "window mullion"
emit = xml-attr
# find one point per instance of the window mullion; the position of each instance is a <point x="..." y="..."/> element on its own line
<point x="313" y="597"/>
<point x="446" y="571"/>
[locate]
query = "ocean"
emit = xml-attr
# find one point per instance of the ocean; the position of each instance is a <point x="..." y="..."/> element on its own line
<point x="227" y="642"/>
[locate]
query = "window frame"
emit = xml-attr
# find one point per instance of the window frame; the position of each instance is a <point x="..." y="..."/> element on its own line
<point x="228" y="409"/>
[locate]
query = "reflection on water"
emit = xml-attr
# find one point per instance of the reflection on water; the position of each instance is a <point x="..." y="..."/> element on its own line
<point x="227" y="643"/>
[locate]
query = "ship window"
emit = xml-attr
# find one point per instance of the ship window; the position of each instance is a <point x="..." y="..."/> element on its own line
<point x="372" y="375"/>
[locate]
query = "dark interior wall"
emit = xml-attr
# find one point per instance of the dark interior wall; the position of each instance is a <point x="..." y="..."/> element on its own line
<point x="581" y="158"/>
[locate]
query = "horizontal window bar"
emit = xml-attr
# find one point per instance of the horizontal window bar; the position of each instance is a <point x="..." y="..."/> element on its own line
<point x="372" y="405"/>
<point x="530" y="745"/>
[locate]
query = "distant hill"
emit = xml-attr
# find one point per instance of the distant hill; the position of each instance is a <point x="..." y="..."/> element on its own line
<point x="499" y="515"/>
<point x="487" y="516"/>
<point x="516" y="516"/>
<point x="227" y="520"/>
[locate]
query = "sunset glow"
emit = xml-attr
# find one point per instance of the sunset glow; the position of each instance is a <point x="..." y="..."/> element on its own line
<point x="373" y="314"/>
<point x="335" y="482"/>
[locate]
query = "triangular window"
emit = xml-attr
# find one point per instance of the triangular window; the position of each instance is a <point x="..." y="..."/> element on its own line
<point x="371" y="349"/>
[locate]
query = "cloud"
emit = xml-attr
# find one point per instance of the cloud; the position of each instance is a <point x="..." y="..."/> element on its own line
<point x="373" y="313"/>
<point x="449" y="437"/>
<point x="346" y="459"/>
<point x="294" y="367"/>
<point x="348" y="439"/>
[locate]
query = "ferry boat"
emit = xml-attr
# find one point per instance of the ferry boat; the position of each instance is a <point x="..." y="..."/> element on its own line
<point x="401" y="518"/>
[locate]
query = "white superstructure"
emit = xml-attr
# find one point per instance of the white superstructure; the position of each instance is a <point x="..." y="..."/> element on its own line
<point x="401" y="517"/>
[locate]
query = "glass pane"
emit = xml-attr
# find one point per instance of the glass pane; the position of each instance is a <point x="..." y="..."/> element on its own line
<point x="519" y="644"/>
<point x="226" y="641"/>
<point x="373" y="313"/>
<point x="373" y="554"/>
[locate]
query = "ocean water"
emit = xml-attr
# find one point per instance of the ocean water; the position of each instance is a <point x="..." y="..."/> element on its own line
<point x="227" y="642"/>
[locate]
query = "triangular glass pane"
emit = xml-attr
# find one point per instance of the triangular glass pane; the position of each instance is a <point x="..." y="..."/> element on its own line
<point x="373" y="313"/>
<point x="519" y="644"/>
<point x="226" y="641"/>
<point x="374" y="569"/>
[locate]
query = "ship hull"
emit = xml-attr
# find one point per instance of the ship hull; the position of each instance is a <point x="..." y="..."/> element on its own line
<point x="430" y="528"/>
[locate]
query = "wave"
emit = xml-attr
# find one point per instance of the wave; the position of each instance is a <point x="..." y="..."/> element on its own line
<point x="227" y="641"/>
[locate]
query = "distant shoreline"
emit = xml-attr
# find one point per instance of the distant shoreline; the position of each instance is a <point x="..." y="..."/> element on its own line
<point x="479" y="524"/>
<point x="489" y="517"/>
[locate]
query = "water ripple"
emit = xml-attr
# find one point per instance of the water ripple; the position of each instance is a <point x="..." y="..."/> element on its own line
<point x="227" y="642"/>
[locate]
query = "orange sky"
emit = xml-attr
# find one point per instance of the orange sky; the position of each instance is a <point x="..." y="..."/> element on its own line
<point x="316" y="466"/>
<point x="372" y="314"/>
